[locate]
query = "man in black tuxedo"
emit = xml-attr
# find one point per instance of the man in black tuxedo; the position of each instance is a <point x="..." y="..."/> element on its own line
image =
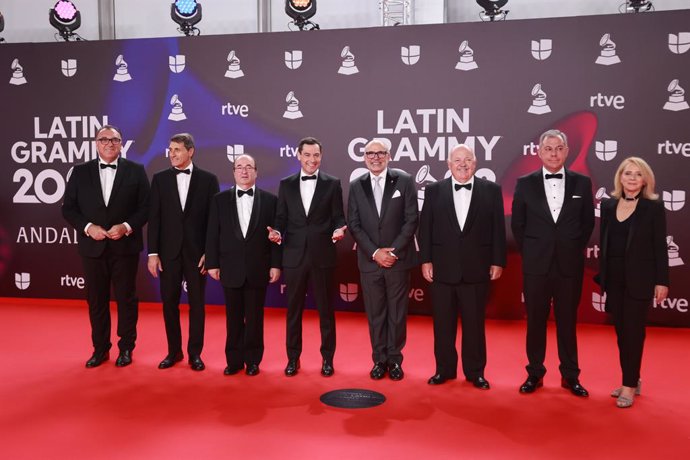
<point x="309" y="221"/>
<point x="553" y="218"/>
<point x="178" y="214"/>
<point x="382" y="216"/>
<point x="106" y="201"/>
<point x="244" y="261"/>
<point x="462" y="242"/>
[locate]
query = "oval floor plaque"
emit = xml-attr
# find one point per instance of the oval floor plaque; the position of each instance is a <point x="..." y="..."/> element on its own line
<point x="352" y="398"/>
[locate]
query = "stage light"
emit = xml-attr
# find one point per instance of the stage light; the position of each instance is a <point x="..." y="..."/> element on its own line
<point x="492" y="10"/>
<point x="300" y="11"/>
<point x="186" y="13"/>
<point x="66" y="18"/>
<point x="635" y="6"/>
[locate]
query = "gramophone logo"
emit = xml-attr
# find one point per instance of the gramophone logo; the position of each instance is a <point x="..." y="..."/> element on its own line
<point x="176" y="113"/>
<point x="349" y="291"/>
<point x="357" y="173"/>
<point x="599" y="302"/>
<point x="676" y="98"/>
<point x="177" y="63"/>
<point x="234" y="151"/>
<point x="674" y="259"/>
<point x="674" y="200"/>
<point x="348" y="66"/>
<point x="292" y="110"/>
<point x="608" y="55"/>
<point x="68" y="67"/>
<point x="485" y="173"/>
<point x="410" y="54"/>
<point x="466" y="61"/>
<point x="293" y="59"/>
<point x="607" y="150"/>
<point x="22" y="281"/>
<point x="122" y="72"/>
<point x="422" y="178"/>
<point x="234" y="70"/>
<point x="599" y="196"/>
<point x="539" y="105"/>
<point x="17" y="74"/>
<point x="541" y="50"/>
<point x="679" y="44"/>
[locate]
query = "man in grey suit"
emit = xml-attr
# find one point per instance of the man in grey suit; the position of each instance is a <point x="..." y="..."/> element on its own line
<point x="382" y="216"/>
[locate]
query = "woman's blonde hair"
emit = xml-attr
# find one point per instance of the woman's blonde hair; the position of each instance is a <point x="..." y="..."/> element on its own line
<point x="647" y="176"/>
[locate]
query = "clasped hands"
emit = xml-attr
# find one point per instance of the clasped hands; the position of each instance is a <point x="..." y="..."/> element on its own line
<point x="98" y="233"/>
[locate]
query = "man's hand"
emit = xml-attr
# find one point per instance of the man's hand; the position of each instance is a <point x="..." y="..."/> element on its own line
<point x="200" y="266"/>
<point x="660" y="293"/>
<point x="274" y="235"/>
<point x="154" y="265"/>
<point x="495" y="272"/>
<point x="97" y="232"/>
<point x="339" y="233"/>
<point x="385" y="257"/>
<point x="214" y="273"/>
<point x="117" y="231"/>
<point x="428" y="271"/>
<point x="273" y="275"/>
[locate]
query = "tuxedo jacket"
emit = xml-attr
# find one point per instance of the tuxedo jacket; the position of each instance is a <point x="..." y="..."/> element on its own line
<point x="541" y="240"/>
<point x="396" y="226"/>
<point x="83" y="203"/>
<point x="170" y="228"/>
<point x="646" y="254"/>
<point x="309" y="234"/>
<point x="463" y="255"/>
<point x="242" y="259"/>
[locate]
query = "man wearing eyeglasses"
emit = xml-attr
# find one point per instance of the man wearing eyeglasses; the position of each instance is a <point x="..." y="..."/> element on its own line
<point x="462" y="243"/>
<point x="309" y="221"/>
<point x="553" y="218"/>
<point x="382" y="216"/>
<point x="106" y="201"/>
<point x="239" y="255"/>
<point x="178" y="213"/>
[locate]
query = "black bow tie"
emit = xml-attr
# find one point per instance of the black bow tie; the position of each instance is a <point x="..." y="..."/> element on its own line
<point x="182" y="171"/>
<point x="459" y="186"/>
<point x="249" y="192"/>
<point x="309" y="177"/>
<point x="554" y="176"/>
<point x="104" y="166"/>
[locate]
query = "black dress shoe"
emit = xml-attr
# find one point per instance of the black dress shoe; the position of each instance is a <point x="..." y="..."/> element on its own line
<point x="124" y="358"/>
<point x="232" y="370"/>
<point x="378" y="371"/>
<point x="97" y="358"/>
<point x="574" y="386"/>
<point x="531" y="384"/>
<point x="395" y="372"/>
<point x="170" y="360"/>
<point x="327" y="368"/>
<point x="292" y="367"/>
<point x="196" y="363"/>
<point x="252" y="369"/>
<point x="437" y="379"/>
<point x="480" y="382"/>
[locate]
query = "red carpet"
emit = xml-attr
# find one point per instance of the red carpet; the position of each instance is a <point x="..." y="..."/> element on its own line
<point x="51" y="407"/>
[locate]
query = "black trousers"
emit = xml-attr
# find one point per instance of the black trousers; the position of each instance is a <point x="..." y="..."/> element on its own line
<point x="541" y="291"/>
<point x="321" y="279"/>
<point x="100" y="273"/>
<point x="469" y="299"/>
<point x="244" y="322"/>
<point x="174" y="271"/>
<point x="386" y="300"/>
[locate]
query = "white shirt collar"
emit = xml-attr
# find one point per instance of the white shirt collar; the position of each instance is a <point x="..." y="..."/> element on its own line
<point x="544" y="172"/>
<point x="383" y="174"/>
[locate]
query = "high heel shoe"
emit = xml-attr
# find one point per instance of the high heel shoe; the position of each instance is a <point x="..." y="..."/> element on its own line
<point x="638" y="390"/>
<point x="623" y="403"/>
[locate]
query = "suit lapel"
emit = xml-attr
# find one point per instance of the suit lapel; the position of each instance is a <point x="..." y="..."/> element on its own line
<point x="538" y="184"/>
<point x="391" y="180"/>
<point x="449" y="204"/>
<point x="474" y="204"/>
<point x="318" y="192"/>
<point x="234" y="213"/>
<point x="368" y="192"/>
<point x="254" y="219"/>
<point x="96" y="180"/>
<point x="637" y="216"/>
<point x="193" y="185"/>
<point x="120" y="173"/>
<point x="294" y="188"/>
<point x="568" y="194"/>
<point x="171" y="184"/>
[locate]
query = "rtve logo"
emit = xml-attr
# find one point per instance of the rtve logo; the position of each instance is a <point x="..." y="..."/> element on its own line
<point x="673" y="148"/>
<point x="601" y="100"/>
<point x="230" y="110"/>
<point x="680" y="304"/>
<point x="72" y="281"/>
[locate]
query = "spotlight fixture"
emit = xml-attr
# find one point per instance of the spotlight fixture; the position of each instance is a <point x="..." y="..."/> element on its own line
<point x="66" y="18"/>
<point x="492" y="10"/>
<point x="635" y="6"/>
<point x="300" y="11"/>
<point x="186" y="13"/>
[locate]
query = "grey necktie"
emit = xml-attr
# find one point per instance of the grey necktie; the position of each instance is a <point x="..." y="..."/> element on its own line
<point x="378" y="193"/>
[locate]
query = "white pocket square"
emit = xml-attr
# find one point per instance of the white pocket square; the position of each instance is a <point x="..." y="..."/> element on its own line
<point x="396" y="194"/>
<point x="577" y="196"/>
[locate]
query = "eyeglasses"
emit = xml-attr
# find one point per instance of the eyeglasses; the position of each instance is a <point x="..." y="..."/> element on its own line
<point x="248" y="168"/>
<point x="109" y="140"/>
<point x="372" y="155"/>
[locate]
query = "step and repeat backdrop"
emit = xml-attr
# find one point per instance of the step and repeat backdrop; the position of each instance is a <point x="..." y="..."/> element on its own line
<point x="615" y="84"/>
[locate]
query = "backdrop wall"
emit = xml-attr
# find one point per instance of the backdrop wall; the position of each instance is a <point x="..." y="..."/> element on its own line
<point x="614" y="84"/>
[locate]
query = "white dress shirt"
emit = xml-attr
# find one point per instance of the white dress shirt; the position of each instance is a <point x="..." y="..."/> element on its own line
<point x="107" y="176"/>
<point x="244" y="208"/>
<point x="461" y="200"/>
<point x="183" y="184"/>
<point x="555" y="192"/>
<point x="306" y="189"/>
